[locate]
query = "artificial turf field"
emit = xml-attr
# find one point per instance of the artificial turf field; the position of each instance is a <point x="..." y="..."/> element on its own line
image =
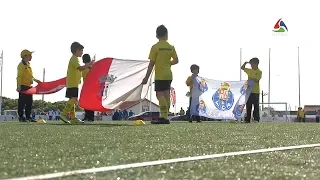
<point x="28" y="149"/>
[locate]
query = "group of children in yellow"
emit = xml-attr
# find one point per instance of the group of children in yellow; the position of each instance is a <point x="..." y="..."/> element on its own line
<point x="162" y="56"/>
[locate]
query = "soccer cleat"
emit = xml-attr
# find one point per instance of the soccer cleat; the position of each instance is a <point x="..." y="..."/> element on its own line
<point x="64" y="118"/>
<point x="161" y="121"/>
<point x="76" y="121"/>
<point x="31" y="120"/>
<point x="22" y="119"/>
<point x="87" y="119"/>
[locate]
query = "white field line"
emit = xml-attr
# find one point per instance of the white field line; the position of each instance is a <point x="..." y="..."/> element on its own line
<point x="160" y="162"/>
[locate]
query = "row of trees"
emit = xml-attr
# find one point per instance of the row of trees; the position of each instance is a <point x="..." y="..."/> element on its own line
<point x="38" y="105"/>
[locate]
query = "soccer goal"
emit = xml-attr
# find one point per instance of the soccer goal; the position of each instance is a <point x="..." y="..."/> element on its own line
<point x="275" y="112"/>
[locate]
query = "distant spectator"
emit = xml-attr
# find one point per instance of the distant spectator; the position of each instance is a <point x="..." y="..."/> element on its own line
<point x="120" y="114"/>
<point x="50" y="113"/>
<point x="57" y="115"/>
<point x="125" y="114"/>
<point x="181" y="112"/>
<point x="131" y="113"/>
<point x="115" y="115"/>
<point x="301" y="115"/>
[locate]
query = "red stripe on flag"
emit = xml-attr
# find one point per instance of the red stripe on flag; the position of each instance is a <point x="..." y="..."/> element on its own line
<point x="90" y="97"/>
<point x="47" y="87"/>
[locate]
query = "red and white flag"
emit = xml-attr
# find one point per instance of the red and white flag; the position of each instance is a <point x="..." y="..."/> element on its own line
<point x="47" y="87"/>
<point x="111" y="82"/>
<point x="173" y="96"/>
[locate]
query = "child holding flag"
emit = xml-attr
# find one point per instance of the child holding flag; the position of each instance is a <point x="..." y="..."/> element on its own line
<point x="189" y="82"/>
<point x="73" y="81"/>
<point x="254" y="73"/>
<point x="86" y="59"/>
<point x="161" y="55"/>
<point x="25" y="80"/>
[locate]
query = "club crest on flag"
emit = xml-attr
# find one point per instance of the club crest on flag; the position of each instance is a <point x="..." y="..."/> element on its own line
<point x="203" y="87"/>
<point x="223" y="98"/>
<point x="244" y="88"/>
<point x="105" y="82"/>
<point x="201" y="108"/>
<point x="238" y="110"/>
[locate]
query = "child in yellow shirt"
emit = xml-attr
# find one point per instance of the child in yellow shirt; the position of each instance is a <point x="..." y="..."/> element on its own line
<point x="254" y="73"/>
<point x="162" y="56"/>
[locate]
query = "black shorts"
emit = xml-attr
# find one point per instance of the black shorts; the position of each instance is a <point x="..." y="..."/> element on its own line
<point x="162" y="85"/>
<point x="72" y="92"/>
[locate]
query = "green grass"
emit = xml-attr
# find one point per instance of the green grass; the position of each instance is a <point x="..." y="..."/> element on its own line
<point x="33" y="149"/>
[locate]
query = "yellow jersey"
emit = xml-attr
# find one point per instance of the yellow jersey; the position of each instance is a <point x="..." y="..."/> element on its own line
<point x="300" y="113"/>
<point x="85" y="73"/>
<point x="24" y="75"/>
<point x="189" y="82"/>
<point x="254" y="74"/>
<point x="73" y="74"/>
<point x="162" y="53"/>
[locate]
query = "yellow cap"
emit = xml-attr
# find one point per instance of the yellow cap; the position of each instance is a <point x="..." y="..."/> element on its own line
<point x="25" y="53"/>
<point x="139" y="122"/>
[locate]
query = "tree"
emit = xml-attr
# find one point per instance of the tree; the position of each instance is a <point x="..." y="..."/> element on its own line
<point x="38" y="105"/>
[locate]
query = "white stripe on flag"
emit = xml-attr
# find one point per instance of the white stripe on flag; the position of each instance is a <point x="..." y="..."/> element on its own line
<point x="127" y="76"/>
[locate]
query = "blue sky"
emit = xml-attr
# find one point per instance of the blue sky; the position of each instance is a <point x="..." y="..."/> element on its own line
<point x="208" y="33"/>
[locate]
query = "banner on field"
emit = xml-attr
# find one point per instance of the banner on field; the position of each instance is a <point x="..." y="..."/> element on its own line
<point x="223" y="100"/>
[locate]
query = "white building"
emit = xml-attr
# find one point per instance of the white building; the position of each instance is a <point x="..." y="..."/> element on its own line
<point x="139" y="106"/>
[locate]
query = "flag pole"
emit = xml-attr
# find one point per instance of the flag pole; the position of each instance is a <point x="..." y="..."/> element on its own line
<point x="240" y="64"/>
<point x="269" y="83"/>
<point x="1" y="82"/>
<point x="43" y="79"/>
<point x="140" y="105"/>
<point x="299" y="77"/>
<point x="150" y="92"/>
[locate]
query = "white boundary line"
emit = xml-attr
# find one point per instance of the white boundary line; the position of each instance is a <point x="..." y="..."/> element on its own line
<point x="160" y="162"/>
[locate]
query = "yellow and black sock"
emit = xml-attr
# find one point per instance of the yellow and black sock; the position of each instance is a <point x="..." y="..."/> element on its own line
<point x="163" y="107"/>
<point x="73" y="112"/>
<point x="168" y="103"/>
<point x="69" y="107"/>
<point x="73" y="109"/>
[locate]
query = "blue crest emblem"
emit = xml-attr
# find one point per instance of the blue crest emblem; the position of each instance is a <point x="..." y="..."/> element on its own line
<point x="238" y="110"/>
<point x="201" y="108"/>
<point x="223" y="98"/>
<point x="244" y="88"/>
<point x="203" y="86"/>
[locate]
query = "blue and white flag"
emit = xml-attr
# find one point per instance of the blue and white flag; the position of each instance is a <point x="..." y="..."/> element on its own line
<point x="223" y="100"/>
